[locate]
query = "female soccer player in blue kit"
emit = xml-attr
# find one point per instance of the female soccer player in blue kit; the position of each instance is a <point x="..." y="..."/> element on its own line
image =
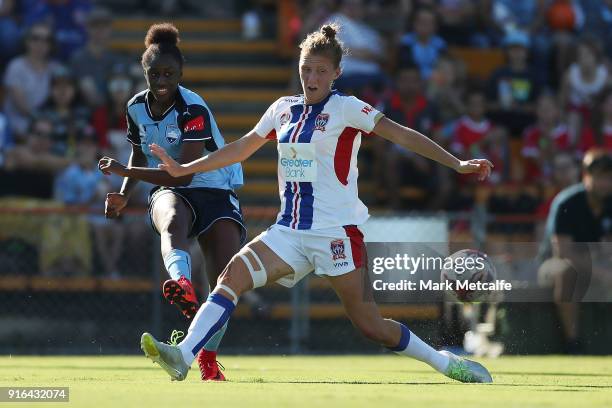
<point x="318" y="135"/>
<point x="201" y="205"/>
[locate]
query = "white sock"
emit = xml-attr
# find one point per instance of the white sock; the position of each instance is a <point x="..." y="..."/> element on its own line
<point x="211" y="317"/>
<point x="178" y="263"/>
<point x="411" y="345"/>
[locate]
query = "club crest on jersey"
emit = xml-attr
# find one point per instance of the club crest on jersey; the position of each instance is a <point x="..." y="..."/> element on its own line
<point x="285" y="117"/>
<point x="337" y="249"/>
<point x="172" y="133"/>
<point x="320" y="121"/>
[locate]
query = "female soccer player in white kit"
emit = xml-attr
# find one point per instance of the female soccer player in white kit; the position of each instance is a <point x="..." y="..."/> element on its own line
<point x="318" y="135"/>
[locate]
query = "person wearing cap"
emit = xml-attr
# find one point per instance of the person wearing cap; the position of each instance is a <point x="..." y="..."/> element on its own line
<point x="579" y="214"/>
<point x="513" y="88"/>
<point x="94" y="63"/>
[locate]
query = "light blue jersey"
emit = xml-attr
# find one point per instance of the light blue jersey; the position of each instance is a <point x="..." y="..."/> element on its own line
<point x="188" y="120"/>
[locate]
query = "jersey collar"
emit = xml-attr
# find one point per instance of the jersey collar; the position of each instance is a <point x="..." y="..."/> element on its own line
<point x="178" y="100"/>
<point x="321" y="102"/>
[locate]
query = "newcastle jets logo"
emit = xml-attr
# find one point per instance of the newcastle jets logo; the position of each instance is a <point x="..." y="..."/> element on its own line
<point x="320" y="121"/>
<point x="172" y="133"/>
<point x="285" y="117"/>
<point x="337" y="249"/>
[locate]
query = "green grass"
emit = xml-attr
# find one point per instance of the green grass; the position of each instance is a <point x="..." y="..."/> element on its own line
<point x="317" y="382"/>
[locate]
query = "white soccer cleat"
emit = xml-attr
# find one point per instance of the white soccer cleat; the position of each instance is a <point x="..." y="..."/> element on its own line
<point x="465" y="370"/>
<point x="169" y="357"/>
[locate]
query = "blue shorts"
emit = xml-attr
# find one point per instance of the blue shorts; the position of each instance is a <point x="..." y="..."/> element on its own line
<point x="207" y="205"/>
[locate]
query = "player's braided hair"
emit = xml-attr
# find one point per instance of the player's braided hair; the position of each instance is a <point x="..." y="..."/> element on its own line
<point x="162" y="39"/>
<point x="324" y="42"/>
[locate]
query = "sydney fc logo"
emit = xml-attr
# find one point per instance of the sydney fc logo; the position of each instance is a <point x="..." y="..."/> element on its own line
<point x="285" y="117"/>
<point x="321" y="121"/>
<point x="337" y="249"/>
<point x="172" y="133"/>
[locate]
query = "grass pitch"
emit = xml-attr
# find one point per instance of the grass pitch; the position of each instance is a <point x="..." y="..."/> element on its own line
<point x="316" y="382"/>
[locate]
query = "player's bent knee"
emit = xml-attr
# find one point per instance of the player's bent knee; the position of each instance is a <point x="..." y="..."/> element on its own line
<point x="255" y="267"/>
<point x="236" y="277"/>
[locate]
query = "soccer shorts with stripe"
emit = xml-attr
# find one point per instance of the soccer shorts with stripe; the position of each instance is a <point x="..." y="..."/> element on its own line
<point x="328" y="252"/>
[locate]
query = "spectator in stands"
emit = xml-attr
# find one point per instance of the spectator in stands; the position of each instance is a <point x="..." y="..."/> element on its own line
<point x="315" y="14"/>
<point x="423" y="46"/>
<point x="396" y="167"/>
<point x="71" y="118"/>
<point x="565" y="172"/>
<point x="67" y="17"/>
<point x="109" y="120"/>
<point x="446" y="88"/>
<point x="544" y="140"/>
<point x="528" y="16"/>
<point x="30" y="167"/>
<point x="94" y="63"/>
<point x="110" y="124"/>
<point x="598" y="20"/>
<point x="505" y="16"/>
<point x="513" y="88"/>
<point x="584" y="81"/>
<point x="362" y="71"/>
<point x="80" y="184"/>
<point x="579" y="214"/>
<point x="599" y="132"/>
<point x="27" y="79"/>
<point x="475" y="135"/>
<point x="460" y="22"/>
<point x="9" y="31"/>
<point x="564" y="18"/>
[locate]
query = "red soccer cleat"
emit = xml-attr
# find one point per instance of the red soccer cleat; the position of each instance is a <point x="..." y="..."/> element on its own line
<point x="182" y="294"/>
<point x="209" y="366"/>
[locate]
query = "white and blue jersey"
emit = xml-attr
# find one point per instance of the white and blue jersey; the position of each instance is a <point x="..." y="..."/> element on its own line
<point x="317" y="160"/>
<point x="188" y="120"/>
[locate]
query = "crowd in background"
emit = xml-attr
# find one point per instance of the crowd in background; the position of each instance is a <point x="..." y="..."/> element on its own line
<point x="65" y="91"/>
<point x="550" y="100"/>
<point x="64" y="98"/>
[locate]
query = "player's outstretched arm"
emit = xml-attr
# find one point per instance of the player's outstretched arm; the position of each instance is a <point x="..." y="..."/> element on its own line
<point x="231" y="153"/>
<point x="421" y="144"/>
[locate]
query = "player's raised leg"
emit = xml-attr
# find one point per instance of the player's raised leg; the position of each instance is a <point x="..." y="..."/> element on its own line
<point x="254" y="266"/>
<point x="172" y="219"/>
<point x="357" y="300"/>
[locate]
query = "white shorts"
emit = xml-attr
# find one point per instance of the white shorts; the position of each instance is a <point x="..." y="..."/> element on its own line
<point x="329" y="252"/>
